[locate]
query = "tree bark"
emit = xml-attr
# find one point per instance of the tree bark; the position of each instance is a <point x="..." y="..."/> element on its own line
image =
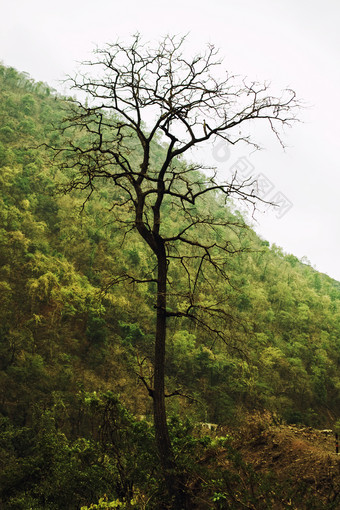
<point x="161" y="428"/>
<point x="173" y="482"/>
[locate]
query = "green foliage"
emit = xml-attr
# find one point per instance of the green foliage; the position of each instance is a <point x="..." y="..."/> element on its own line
<point x="43" y="468"/>
<point x="70" y="335"/>
<point x="104" y="504"/>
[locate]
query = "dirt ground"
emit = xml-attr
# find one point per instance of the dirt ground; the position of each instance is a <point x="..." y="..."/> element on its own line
<point x="301" y="454"/>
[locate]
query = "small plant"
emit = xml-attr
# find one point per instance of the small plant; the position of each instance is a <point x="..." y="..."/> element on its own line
<point x="219" y="498"/>
<point x="104" y="504"/>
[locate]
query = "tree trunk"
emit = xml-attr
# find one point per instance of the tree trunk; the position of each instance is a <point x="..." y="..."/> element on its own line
<point x="174" y="485"/>
<point x="161" y="428"/>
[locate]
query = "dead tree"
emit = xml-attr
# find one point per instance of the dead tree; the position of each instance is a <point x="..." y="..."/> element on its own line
<point x="136" y="96"/>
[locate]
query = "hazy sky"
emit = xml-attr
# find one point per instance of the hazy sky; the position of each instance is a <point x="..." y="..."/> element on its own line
<point x="294" y="43"/>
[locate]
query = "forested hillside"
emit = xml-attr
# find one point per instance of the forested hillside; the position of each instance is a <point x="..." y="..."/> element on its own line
<point x="76" y="337"/>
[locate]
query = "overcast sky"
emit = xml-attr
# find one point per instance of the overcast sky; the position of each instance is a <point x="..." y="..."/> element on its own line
<point x="292" y="43"/>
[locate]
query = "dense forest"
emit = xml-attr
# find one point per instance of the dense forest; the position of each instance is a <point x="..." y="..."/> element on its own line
<point x="76" y="338"/>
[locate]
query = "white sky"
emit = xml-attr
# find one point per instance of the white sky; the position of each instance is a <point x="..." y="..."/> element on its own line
<point x="293" y="43"/>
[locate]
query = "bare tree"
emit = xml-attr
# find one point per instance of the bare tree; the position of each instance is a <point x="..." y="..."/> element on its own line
<point x="137" y="96"/>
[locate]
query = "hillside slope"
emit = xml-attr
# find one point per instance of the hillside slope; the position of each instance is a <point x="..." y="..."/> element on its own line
<point x="74" y="342"/>
<point x="302" y="461"/>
